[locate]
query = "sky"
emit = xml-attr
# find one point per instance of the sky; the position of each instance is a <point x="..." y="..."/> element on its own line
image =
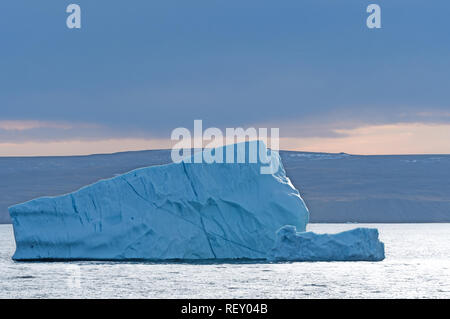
<point x="137" y="70"/>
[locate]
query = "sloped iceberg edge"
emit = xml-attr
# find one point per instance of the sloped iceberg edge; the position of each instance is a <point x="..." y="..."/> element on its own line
<point x="180" y="211"/>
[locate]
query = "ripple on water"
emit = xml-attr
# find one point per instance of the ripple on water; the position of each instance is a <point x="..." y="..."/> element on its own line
<point x="417" y="266"/>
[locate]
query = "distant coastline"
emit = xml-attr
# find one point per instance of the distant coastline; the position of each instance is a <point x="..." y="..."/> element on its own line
<point x="337" y="187"/>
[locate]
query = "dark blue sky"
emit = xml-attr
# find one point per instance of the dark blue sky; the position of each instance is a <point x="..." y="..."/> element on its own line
<point x="141" y="68"/>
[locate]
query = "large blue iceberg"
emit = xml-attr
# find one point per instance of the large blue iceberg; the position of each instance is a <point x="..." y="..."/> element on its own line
<point x="174" y="211"/>
<point x="179" y="211"/>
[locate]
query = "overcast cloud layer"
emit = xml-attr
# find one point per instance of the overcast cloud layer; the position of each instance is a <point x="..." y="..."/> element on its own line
<point x="138" y="70"/>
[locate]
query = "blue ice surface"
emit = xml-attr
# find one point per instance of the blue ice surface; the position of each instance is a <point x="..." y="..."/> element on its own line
<point x="178" y="211"/>
<point x="357" y="244"/>
<point x="174" y="211"/>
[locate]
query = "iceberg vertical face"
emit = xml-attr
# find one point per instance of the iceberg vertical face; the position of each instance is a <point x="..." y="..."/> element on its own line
<point x="356" y="244"/>
<point x="174" y="211"/>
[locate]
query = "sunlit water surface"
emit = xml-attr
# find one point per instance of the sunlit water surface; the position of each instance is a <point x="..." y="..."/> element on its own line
<point x="417" y="265"/>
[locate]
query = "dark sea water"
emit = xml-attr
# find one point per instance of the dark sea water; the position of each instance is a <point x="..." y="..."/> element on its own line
<point x="417" y="265"/>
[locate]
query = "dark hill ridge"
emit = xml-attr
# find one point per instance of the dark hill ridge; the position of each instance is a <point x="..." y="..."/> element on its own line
<point x="336" y="187"/>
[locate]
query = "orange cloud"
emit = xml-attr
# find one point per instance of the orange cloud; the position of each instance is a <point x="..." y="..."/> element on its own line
<point x="30" y="125"/>
<point x="62" y="148"/>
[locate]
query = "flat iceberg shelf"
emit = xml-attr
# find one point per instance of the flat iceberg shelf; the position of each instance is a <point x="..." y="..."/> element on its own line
<point x="181" y="211"/>
<point x="360" y="244"/>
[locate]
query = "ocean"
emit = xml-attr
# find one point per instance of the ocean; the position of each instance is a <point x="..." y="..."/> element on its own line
<point x="417" y="265"/>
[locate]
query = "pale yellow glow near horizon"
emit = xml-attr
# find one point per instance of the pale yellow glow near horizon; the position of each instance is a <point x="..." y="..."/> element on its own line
<point x="65" y="148"/>
<point x="404" y="138"/>
<point x="416" y="138"/>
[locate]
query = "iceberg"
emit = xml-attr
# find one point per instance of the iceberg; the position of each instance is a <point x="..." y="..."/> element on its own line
<point x="184" y="211"/>
<point x="176" y="211"/>
<point x="360" y="244"/>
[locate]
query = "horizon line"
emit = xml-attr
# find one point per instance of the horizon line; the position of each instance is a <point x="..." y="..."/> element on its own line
<point x="169" y="149"/>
